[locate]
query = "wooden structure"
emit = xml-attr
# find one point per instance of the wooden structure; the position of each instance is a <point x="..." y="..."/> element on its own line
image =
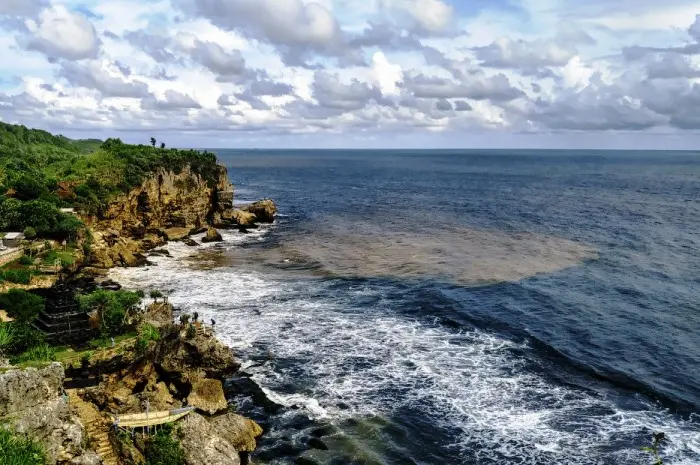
<point x="146" y="420"/>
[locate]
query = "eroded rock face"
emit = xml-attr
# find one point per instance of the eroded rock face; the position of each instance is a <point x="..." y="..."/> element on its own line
<point x="202" y="444"/>
<point x="167" y="206"/>
<point x="159" y="314"/>
<point x="264" y="210"/>
<point x="202" y="354"/>
<point x="32" y="403"/>
<point x="241" y="432"/>
<point x="207" y="396"/>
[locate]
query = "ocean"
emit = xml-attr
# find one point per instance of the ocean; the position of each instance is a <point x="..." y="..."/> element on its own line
<point x="458" y="307"/>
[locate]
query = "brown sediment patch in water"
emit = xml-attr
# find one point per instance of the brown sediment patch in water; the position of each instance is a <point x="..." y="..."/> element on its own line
<point x="457" y="254"/>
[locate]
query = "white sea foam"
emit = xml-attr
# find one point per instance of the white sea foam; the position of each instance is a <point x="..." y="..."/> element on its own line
<point x="346" y="361"/>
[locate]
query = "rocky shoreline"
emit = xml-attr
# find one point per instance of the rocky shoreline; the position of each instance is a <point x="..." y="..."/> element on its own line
<point x="72" y="408"/>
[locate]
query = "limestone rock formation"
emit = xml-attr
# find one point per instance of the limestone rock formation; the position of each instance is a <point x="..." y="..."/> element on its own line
<point x="207" y="396"/>
<point x="264" y="210"/>
<point x="167" y="206"/>
<point x="159" y="314"/>
<point x="241" y="432"/>
<point x="242" y="218"/>
<point x="202" y="444"/>
<point x="212" y="236"/>
<point x="31" y="402"/>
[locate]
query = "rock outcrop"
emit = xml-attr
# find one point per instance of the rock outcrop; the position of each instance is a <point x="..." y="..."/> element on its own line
<point x="207" y="396"/>
<point x="202" y="444"/>
<point x="239" y="431"/>
<point x="264" y="210"/>
<point x="167" y="206"/>
<point x="32" y="403"/>
<point x="159" y="314"/>
<point x="212" y="236"/>
<point x="241" y="218"/>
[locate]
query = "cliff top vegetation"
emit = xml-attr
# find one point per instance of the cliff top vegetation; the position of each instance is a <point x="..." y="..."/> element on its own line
<point x="41" y="173"/>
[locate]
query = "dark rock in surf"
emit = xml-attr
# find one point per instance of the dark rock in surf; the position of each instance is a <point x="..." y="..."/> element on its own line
<point x="212" y="236"/>
<point x="190" y="242"/>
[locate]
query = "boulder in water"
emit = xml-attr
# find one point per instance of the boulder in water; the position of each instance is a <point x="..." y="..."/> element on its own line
<point x="212" y="236"/>
<point x="242" y="218"/>
<point x="190" y="242"/>
<point x="264" y="210"/>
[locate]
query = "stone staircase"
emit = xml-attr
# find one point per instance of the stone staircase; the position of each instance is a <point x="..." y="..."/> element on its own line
<point x="95" y="427"/>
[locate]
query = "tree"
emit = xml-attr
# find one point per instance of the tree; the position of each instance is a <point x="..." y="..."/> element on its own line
<point x="153" y="141"/>
<point x="40" y="215"/>
<point x="155" y="295"/>
<point x="30" y="233"/>
<point x="112" y="307"/>
<point x="162" y="145"/>
<point x="10" y="214"/>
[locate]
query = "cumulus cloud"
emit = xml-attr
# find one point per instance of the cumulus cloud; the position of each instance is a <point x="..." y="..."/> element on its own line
<point x="694" y="29"/>
<point x="172" y="100"/>
<point x="320" y="66"/>
<point x="218" y="60"/>
<point x="282" y="22"/>
<point x="59" y="33"/>
<point x="386" y="75"/>
<point x="508" y="53"/>
<point x="109" y="79"/>
<point x="477" y="86"/>
<point x="21" y="7"/>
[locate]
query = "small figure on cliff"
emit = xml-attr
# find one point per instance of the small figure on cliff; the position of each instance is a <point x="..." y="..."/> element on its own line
<point x="213" y="325"/>
<point x="195" y="317"/>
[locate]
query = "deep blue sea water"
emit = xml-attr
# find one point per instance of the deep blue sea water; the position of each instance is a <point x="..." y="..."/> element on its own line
<point x="485" y="307"/>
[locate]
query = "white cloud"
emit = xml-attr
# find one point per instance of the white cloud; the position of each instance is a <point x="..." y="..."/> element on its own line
<point x="272" y="67"/>
<point x="59" y="33"/>
<point x="386" y="75"/>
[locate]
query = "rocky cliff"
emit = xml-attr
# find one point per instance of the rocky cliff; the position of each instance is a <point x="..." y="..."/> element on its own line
<point x="32" y="403"/>
<point x="166" y="206"/>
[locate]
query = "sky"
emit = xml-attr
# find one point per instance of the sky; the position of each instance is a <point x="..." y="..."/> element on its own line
<point x="607" y="74"/>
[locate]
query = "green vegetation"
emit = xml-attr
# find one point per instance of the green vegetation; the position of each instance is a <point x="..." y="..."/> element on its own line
<point x="164" y="449"/>
<point x="21" y="305"/>
<point x="655" y="449"/>
<point x="36" y="356"/>
<point x="16" y="276"/>
<point x="113" y="309"/>
<point x="67" y="258"/>
<point x="147" y="333"/>
<point x="17" y="449"/>
<point x="40" y="173"/>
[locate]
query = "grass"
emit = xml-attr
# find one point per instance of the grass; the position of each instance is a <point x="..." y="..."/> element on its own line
<point x="67" y="355"/>
<point x="67" y="258"/>
<point x="16" y="449"/>
<point x="35" y="357"/>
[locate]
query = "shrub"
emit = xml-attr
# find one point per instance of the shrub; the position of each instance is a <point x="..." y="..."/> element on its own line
<point x="147" y="333"/>
<point x="164" y="449"/>
<point x="21" y="305"/>
<point x="39" y="353"/>
<point x="25" y="260"/>
<point x="16" y="449"/>
<point x="155" y="295"/>
<point x="17" y="276"/>
<point x="30" y="233"/>
<point x="23" y="338"/>
<point x="191" y="331"/>
<point x="112" y="307"/>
